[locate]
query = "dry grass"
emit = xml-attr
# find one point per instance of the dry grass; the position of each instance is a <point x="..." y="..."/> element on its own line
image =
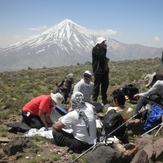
<point x="18" y="87"/>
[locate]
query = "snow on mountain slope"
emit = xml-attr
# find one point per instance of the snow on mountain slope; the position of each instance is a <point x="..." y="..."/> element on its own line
<point x="66" y="44"/>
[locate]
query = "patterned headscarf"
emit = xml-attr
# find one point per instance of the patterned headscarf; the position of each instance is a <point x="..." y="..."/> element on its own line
<point x="77" y="101"/>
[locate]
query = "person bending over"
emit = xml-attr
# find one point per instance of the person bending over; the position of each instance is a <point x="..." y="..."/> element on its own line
<point x="36" y="113"/>
<point x="155" y="93"/>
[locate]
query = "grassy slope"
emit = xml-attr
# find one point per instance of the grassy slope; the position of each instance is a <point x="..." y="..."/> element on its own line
<point x="19" y="87"/>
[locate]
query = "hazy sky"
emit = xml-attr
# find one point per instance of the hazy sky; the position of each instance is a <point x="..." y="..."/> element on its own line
<point x="129" y="21"/>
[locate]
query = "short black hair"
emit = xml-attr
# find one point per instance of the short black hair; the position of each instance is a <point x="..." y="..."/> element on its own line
<point x="119" y="96"/>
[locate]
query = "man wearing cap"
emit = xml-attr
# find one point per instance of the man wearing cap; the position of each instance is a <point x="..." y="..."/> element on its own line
<point x="83" y="125"/>
<point x="154" y="81"/>
<point x="100" y="70"/>
<point x="36" y="113"/>
<point x="85" y="86"/>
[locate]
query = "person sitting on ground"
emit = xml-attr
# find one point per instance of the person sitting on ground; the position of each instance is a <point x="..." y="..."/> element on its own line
<point x="154" y="94"/>
<point x="65" y="86"/>
<point x="119" y="104"/>
<point x="85" y="86"/>
<point x="36" y="113"/>
<point x="84" y="131"/>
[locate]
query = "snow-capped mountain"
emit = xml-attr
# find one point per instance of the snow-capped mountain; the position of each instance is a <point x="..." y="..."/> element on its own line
<point x="66" y="44"/>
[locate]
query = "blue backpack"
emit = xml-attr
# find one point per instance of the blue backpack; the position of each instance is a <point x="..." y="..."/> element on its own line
<point x="154" y="117"/>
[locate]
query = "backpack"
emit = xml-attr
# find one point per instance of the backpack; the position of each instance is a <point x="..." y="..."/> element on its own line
<point x="154" y="118"/>
<point x="111" y="121"/>
<point x="130" y="90"/>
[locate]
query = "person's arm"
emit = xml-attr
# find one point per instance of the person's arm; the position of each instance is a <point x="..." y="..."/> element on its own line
<point x="49" y="120"/>
<point x="99" y="52"/>
<point x="58" y="126"/>
<point x="43" y="118"/>
<point x="153" y="90"/>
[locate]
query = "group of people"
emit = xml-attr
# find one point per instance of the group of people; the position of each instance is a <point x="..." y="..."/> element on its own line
<point x="36" y="113"/>
<point x="101" y="76"/>
<point x="80" y="116"/>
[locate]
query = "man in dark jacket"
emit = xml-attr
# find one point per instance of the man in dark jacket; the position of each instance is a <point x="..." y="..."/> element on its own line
<point x="100" y="70"/>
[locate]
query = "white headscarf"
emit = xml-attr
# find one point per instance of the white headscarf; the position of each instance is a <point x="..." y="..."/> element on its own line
<point x="77" y="101"/>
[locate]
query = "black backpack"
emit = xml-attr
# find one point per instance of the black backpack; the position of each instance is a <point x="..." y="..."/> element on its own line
<point x="130" y="90"/>
<point x="111" y="121"/>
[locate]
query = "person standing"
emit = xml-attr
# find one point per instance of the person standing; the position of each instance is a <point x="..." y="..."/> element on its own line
<point x="100" y="70"/>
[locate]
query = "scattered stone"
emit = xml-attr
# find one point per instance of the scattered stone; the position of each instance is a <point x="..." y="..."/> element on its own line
<point x="4" y="140"/>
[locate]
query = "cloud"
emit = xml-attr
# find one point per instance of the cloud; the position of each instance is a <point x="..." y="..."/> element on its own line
<point x="43" y="27"/>
<point x="106" y="32"/>
<point x="156" y="39"/>
<point x="6" y="41"/>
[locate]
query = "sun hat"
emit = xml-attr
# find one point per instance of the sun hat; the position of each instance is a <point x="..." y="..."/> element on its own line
<point x="149" y="79"/>
<point x="100" y="40"/>
<point x="87" y="72"/>
<point x="57" y="97"/>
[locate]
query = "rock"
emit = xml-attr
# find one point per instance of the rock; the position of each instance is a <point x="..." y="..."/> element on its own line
<point x="4" y="140"/>
<point x="147" y="139"/>
<point x="151" y="149"/>
<point x="158" y="144"/>
<point x="140" y="157"/>
<point x="127" y="151"/>
<point x="136" y="126"/>
<point x="104" y="154"/>
<point x="16" y="146"/>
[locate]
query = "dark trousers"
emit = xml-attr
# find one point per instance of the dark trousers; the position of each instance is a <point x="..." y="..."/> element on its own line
<point x="32" y="120"/>
<point x="63" y="138"/>
<point x="103" y="81"/>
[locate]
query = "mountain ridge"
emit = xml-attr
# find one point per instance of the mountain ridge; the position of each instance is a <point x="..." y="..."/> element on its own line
<point x="64" y="44"/>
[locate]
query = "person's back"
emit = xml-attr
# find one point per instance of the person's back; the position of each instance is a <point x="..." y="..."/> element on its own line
<point x="82" y="122"/>
<point x="42" y="101"/>
<point x="78" y="125"/>
<point x="119" y="104"/>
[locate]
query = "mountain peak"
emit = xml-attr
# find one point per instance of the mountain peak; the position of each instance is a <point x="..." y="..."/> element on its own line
<point x="67" y="21"/>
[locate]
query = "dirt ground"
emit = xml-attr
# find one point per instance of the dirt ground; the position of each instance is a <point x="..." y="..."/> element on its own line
<point x="31" y="154"/>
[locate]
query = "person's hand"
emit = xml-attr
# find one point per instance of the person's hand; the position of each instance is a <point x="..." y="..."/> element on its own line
<point x="70" y="109"/>
<point x="46" y="129"/>
<point x="105" y="46"/>
<point x="136" y="96"/>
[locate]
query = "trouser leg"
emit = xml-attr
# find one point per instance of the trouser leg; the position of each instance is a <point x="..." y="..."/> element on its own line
<point x="32" y="120"/>
<point x="104" y="85"/>
<point x="97" y="82"/>
<point x="63" y="138"/>
<point x="142" y="101"/>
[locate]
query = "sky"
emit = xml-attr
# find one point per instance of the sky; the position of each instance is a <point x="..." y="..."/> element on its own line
<point x="127" y="21"/>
